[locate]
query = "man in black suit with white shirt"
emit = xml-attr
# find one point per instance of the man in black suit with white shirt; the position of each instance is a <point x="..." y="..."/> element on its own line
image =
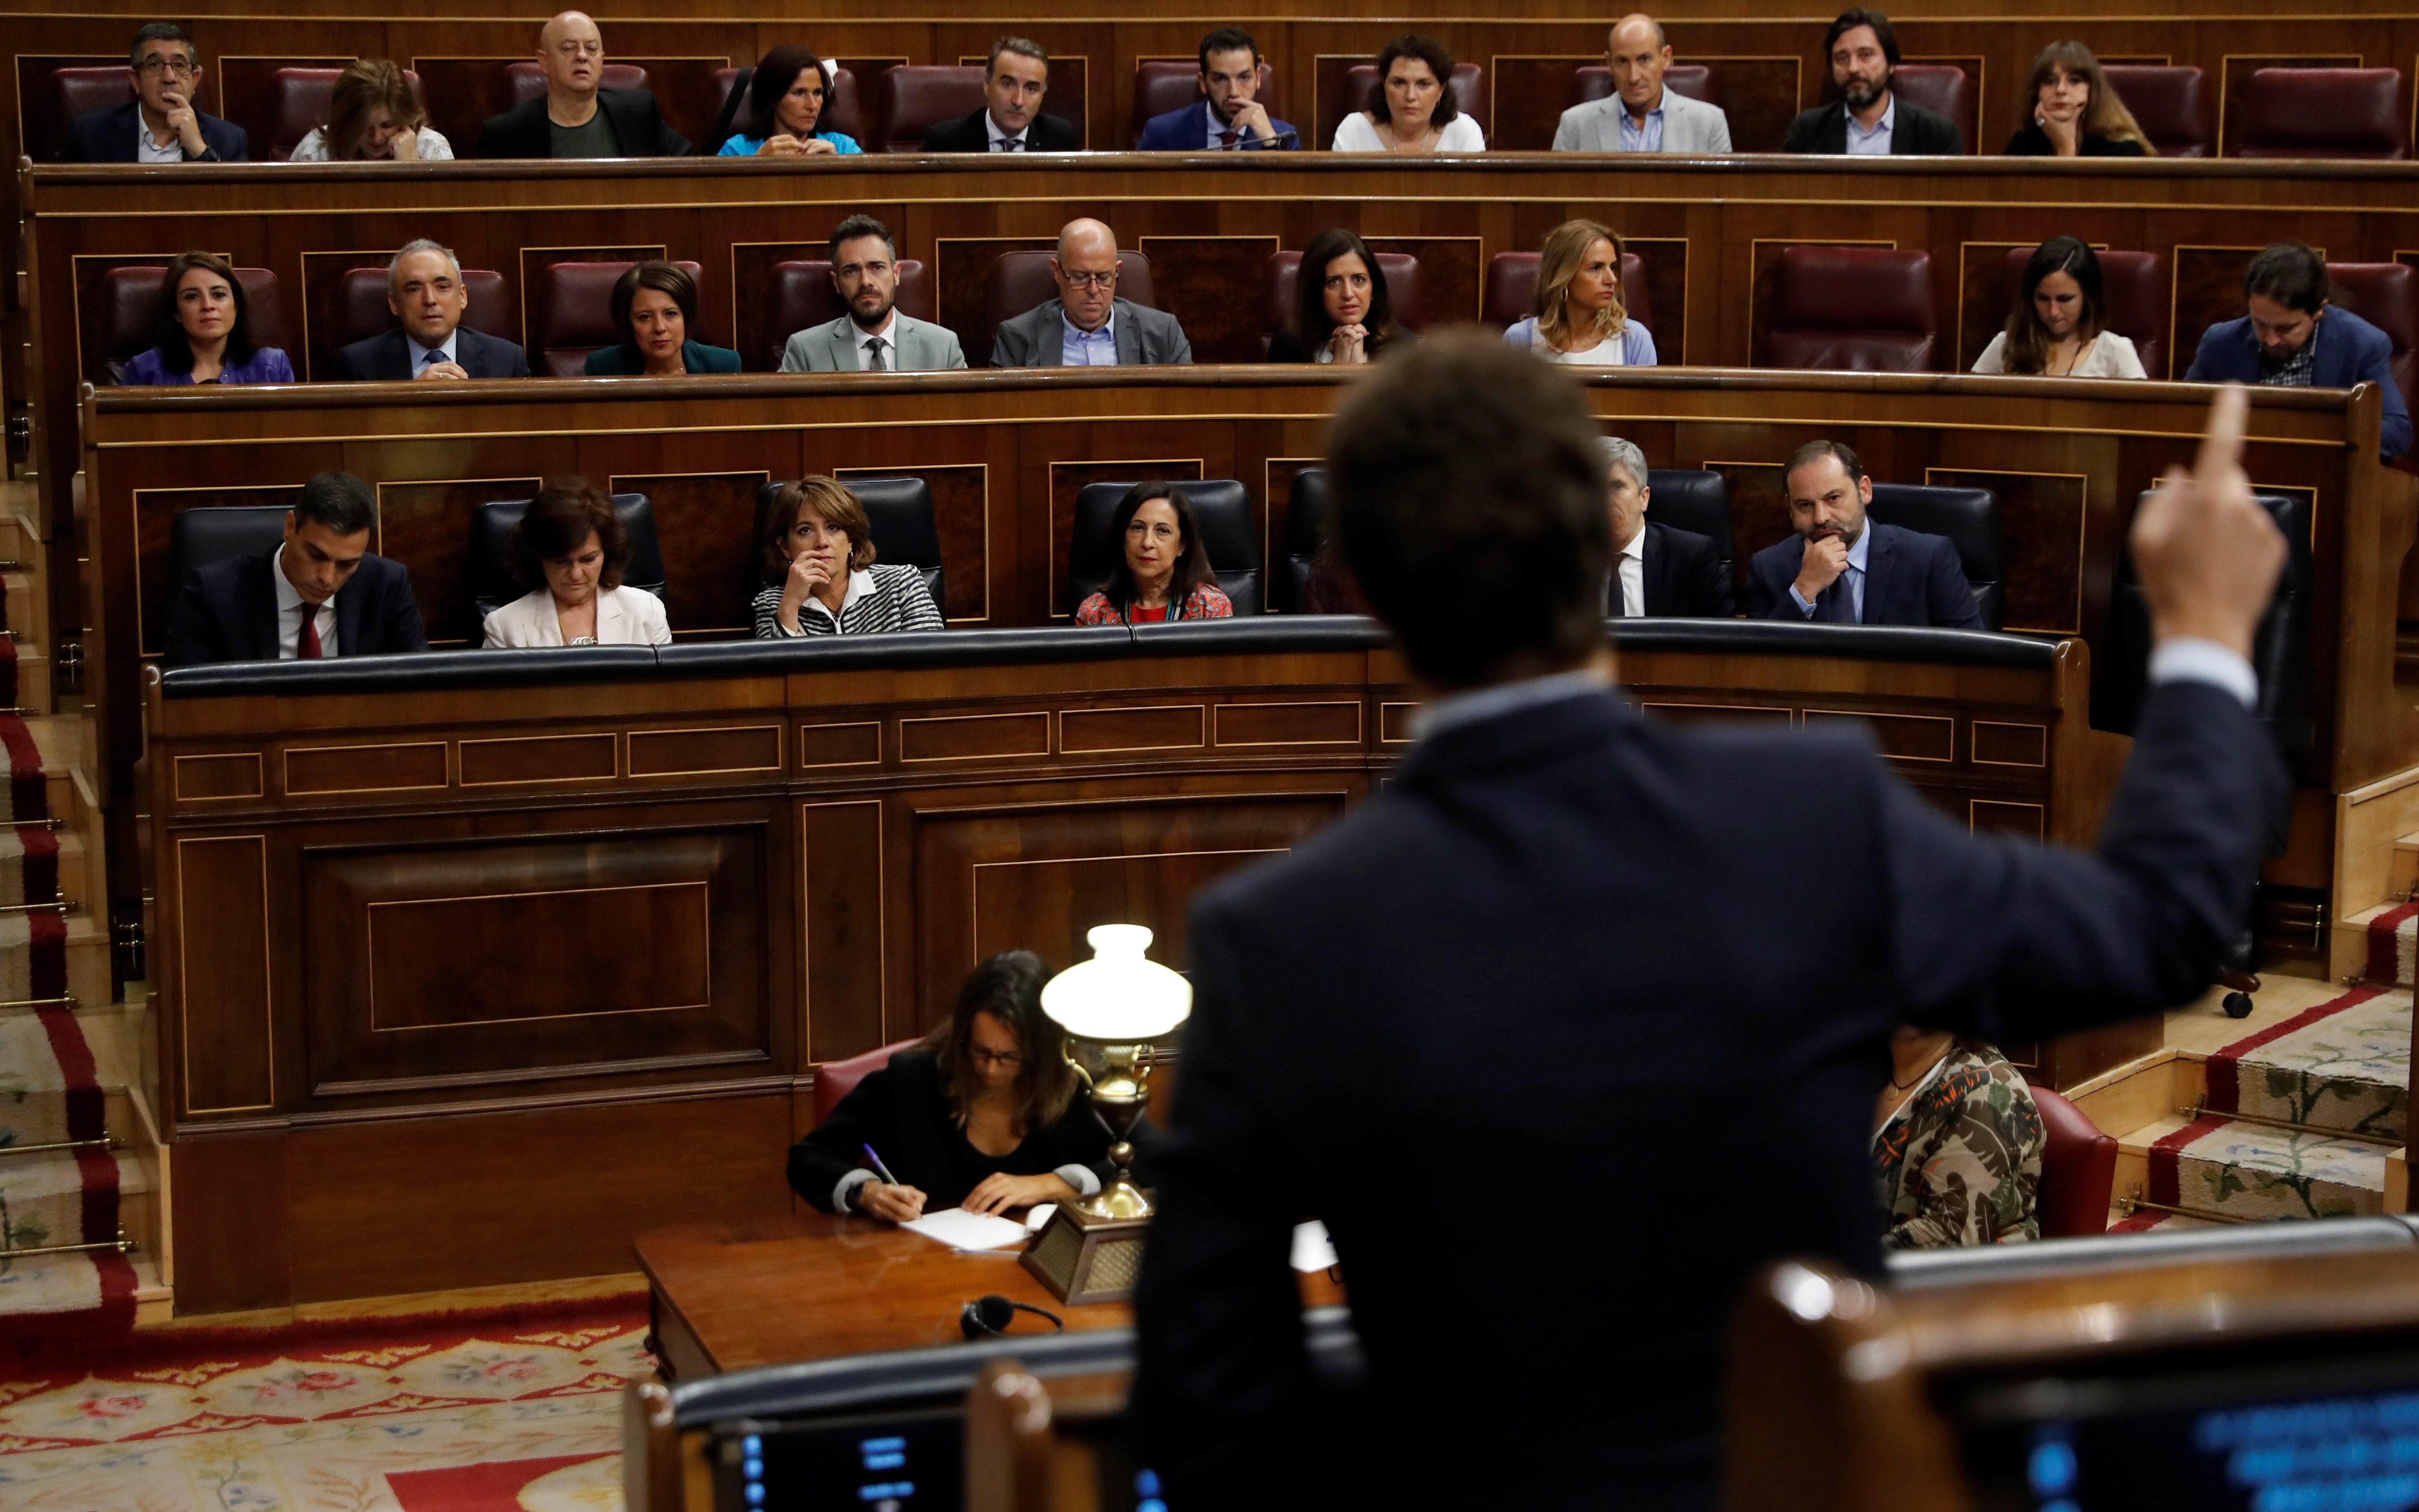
<point x="1576" y="1023"/>
<point x="319" y="594"/>
<point x="1658" y="572"/>
<point x="424" y="289"/>
<point x="1016" y="76"/>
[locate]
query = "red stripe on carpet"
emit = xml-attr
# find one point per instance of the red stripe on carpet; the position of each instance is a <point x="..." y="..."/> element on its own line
<point x="46" y="964"/>
<point x="2167" y="1158"/>
<point x="2224" y="1082"/>
<point x="99" y="1169"/>
<point x="87" y="1105"/>
<point x="76" y="1333"/>
<point x="40" y="843"/>
<point x="493" y="1487"/>
<point x="2135" y="1222"/>
<point x="28" y="797"/>
<point x="2382" y="966"/>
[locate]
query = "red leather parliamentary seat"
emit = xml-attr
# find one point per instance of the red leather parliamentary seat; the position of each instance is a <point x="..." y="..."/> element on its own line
<point x="1020" y="279"/>
<point x="1162" y="85"/>
<point x="528" y="81"/>
<point x="1284" y="275"/>
<point x="302" y="96"/>
<point x="2386" y="295"/>
<point x="1511" y="295"/>
<point x="912" y="98"/>
<point x="128" y="307"/>
<point x="363" y="312"/>
<point x="2170" y="105"/>
<point x="2078" y="1169"/>
<point x="2136" y="285"/>
<point x="843" y="109"/>
<point x="1941" y="88"/>
<point x="1693" y="80"/>
<point x="1864" y="309"/>
<point x="571" y="313"/>
<point x="835" y="1079"/>
<point x="1469" y="90"/>
<point x="2324" y="112"/>
<point x="801" y="297"/>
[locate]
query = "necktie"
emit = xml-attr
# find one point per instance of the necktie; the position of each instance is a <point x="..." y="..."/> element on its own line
<point x="1011" y="144"/>
<point x="874" y="359"/>
<point x="1614" y="606"/>
<point x="306" y="646"/>
<point x="434" y="356"/>
<point x="1227" y="138"/>
<point x="1838" y="603"/>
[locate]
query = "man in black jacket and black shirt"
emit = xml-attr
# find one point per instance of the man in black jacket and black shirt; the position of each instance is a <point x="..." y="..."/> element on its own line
<point x="577" y="116"/>
<point x="1870" y="118"/>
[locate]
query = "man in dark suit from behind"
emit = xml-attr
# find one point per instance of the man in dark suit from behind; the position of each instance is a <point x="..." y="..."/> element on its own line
<point x="1658" y="571"/>
<point x="1869" y="117"/>
<point x="1841" y="568"/>
<point x="1519" y="1026"/>
<point x="424" y="289"/>
<point x="577" y="117"/>
<point x="319" y="594"/>
<point x="161" y="124"/>
<point x="1016" y="76"/>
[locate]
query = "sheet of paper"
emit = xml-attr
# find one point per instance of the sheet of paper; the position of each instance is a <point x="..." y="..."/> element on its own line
<point x="960" y="1230"/>
<point x="1038" y="1215"/>
<point x="1312" y="1250"/>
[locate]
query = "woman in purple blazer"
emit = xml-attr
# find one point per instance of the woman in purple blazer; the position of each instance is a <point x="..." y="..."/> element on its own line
<point x="203" y="334"/>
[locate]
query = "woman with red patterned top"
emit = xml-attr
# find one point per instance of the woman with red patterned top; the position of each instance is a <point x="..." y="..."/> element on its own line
<point x="1163" y="572"/>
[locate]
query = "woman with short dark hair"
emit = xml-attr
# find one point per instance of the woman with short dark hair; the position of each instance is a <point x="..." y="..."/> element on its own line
<point x="985" y="1113"/>
<point x="1341" y="310"/>
<point x="374" y="116"/>
<point x="570" y="545"/>
<point x="1162" y="571"/>
<point x="1411" y="108"/>
<point x="654" y="303"/>
<point x="818" y="553"/>
<point x="203" y="331"/>
<point x="2059" y="326"/>
<point x="789" y="94"/>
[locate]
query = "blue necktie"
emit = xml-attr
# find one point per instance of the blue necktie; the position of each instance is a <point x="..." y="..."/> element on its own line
<point x="1838" y="603"/>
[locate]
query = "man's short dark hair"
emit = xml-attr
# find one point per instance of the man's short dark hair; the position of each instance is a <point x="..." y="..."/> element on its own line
<point x="1021" y="46"/>
<point x="862" y="225"/>
<point x="162" y="31"/>
<point x="1471" y="504"/>
<point x="339" y="501"/>
<point x="2294" y="275"/>
<point x="1849" y="19"/>
<point x="1839" y="452"/>
<point x="1228" y="40"/>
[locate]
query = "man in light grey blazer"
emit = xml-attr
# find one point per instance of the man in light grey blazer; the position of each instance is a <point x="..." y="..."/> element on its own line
<point x="1640" y="116"/>
<point x="1087" y="325"/>
<point x="875" y="336"/>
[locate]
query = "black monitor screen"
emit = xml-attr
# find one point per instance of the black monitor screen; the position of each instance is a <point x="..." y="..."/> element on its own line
<point x="894" y="1462"/>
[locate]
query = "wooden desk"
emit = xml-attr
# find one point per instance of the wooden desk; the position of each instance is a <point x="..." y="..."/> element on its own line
<point x="781" y="1290"/>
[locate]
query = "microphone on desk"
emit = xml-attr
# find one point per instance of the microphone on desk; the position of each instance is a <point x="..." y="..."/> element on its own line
<point x="1243" y="143"/>
<point x="989" y="1316"/>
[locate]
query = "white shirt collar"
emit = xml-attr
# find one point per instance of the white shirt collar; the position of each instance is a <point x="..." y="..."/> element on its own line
<point x="1861" y="551"/>
<point x="992" y="135"/>
<point x="1637" y="546"/>
<point x="1888" y="123"/>
<point x="861" y="584"/>
<point x="419" y="353"/>
<point x="147" y="148"/>
<point x="1454" y="710"/>
<point x="888" y="330"/>
<point x="290" y="599"/>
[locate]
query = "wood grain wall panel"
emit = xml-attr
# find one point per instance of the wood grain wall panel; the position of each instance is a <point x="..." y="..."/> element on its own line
<point x="2002" y="743"/>
<point x="853" y="743"/>
<point x="843" y="1007"/>
<point x="2040" y="528"/>
<point x="1761" y="95"/>
<point x="236" y="775"/>
<point x="227" y="1025"/>
<point x="706" y="524"/>
<point x="729" y="751"/>
<point x="961" y="515"/>
<point x="1530" y="96"/>
<point x="1214" y="286"/>
<point x="2026" y="821"/>
<point x="230" y="1238"/>
<point x="427" y="527"/>
<point x="2208" y="290"/>
<point x="1666" y="277"/>
<point x="1118" y="731"/>
<point x="378" y="768"/>
<point x="504" y="760"/>
<point x="1452" y="272"/>
<point x="973" y="736"/>
<point x="1068" y="480"/>
<point x="1982" y="298"/>
<point x="1902" y="737"/>
<point x="1304" y="722"/>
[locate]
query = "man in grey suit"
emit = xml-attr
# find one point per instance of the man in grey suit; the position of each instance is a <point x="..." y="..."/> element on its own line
<point x="875" y="336"/>
<point x="1640" y="116"/>
<point x="1087" y="325"/>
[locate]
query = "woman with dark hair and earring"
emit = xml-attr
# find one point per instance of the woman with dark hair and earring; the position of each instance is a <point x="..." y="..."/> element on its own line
<point x="571" y="546"/>
<point x="1341" y="312"/>
<point x="2059" y="326"/>
<point x="1411" y="107"/>
<point x="985" y="1113"/>
<point x="654" y="306"/>
<point x="818" y="555"/>
<point x="787" y="96"/>
<point x="2075" y="112"/>
<point x="202" y="332"/>
<point x="1162" y="571"/>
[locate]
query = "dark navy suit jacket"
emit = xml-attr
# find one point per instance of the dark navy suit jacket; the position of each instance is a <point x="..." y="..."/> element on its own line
<point x="1188" y="131"/>
<point x="227" y="611"/>
<point x="2350" y="350"/>
<point x="1684" y="576"/>
<point x="1574" y="1025"/>
<point x="107" y="135"/>
<point x="387" y="357"/>
<point x="1910" y="579"/>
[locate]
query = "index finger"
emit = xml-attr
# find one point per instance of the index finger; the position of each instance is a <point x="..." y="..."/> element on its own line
<point x="2221" y="444"/>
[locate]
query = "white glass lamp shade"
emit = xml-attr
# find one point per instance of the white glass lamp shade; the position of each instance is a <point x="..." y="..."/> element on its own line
<point x="1120" y="997"/>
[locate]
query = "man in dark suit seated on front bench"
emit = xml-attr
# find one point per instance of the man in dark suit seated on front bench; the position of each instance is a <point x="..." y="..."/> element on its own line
<point x="424" y="289"/>
<point x="1841" y="569"/>
<point x="321" y="594"/>
<point x="1656" y="570"/>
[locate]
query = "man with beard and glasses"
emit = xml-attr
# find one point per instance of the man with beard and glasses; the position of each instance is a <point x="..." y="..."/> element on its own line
<point x="1841" y="568"/>
<point x="875" y="336"/>
<point x="1869" y="118"/>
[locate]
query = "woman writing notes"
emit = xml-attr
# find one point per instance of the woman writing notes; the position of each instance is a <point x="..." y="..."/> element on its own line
<point x="985" y="1113"/>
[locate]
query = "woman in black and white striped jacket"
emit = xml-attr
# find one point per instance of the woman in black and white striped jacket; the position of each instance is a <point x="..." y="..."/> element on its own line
<point x="817" y="541"/>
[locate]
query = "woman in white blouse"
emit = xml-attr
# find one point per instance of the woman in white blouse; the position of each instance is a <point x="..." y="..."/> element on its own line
<point x="1582" y="318"/>
<point x="374" y="116"/>
<point x="2058" y="326"/>
<point x="571" y="543"/>
<point x="1411" y="107"/>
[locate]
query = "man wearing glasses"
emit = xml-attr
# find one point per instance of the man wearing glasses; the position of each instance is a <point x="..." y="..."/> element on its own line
<point x="1087" y="325"/>
<point x="159" y="123"/>
<point x="577" y="117"/>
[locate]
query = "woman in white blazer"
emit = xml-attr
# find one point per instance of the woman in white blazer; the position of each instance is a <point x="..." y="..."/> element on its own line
<point x="571" y="543"/>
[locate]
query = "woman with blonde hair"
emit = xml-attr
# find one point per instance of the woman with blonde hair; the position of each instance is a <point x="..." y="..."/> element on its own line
<point x="2075" y="112"/>
<point x="374" y="116"/>
<point x="1582" y="317"/>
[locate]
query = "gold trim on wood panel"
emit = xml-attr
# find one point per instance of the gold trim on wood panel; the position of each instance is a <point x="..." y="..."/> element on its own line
<point x="874" y="725"/>
<point x="286" y="775"/>
<point x="881" y="923"/>
<point x="2225" y="78"/>
<point x="1268" y="516"/>
<point x="1874" y="717"/>
<point x="843" y="474"/>
<point x="776" y="764"/>
<point x="369" y="952"/>
<point x="1975" y="806"/>
<point x="259" y="781"/>
<point x="1041" y="714"/>
<point x="1645" y="702"/>
<point x="1386" y="708"/>
<point x="2082" y="529"/>
<point x="1354" y="704"/>
<point x="463" y="764"/>
<point x="613" y="484"/>
<point x="2039" y="730"/>
<point x="304" y="294"/>
<point x="1198" y="741"/>
<point x="1050" y="506"/>
<point x="184" y="990"/>
<point x="521" y="268"/>
<point x="380" y="487"/>
<point x="974" y="891"/>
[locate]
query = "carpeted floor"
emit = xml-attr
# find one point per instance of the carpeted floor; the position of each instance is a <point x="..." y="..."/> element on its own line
<point x="504" y="1410"/>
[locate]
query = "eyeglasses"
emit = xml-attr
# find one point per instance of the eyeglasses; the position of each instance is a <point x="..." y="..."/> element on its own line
<point x="151" y="68"/>
<point x="1090" y="280"/>
<point x="1005" y="1059"/>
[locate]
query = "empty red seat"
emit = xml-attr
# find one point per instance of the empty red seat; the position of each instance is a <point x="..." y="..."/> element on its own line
<point x="571" y="315"/>
<point x="1941" y="88"/>
<point x="1510" y="293"/>
<point x="912" y="98"/>
<point x="128" y="310"/>
<point x="2078" y="1169"/>
<point x="528" y="81"/>
<point x="802" y="298"/>
<point x="1283" y="277"/>
<point x="843" y="109"/>
<point x="2170" y="105"/>
<point x="2386" y="295"/>
<point x="2135" y="283"/>
<point x="2324" y="112"/>
<point x="1469" y="90"/>
<point x="835" y="1079"/>
<point x="362" y="311"/>
<point x="1162" y="84"/>
<point x="1864" y="309"/>
<point x="1693" y="80"/>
